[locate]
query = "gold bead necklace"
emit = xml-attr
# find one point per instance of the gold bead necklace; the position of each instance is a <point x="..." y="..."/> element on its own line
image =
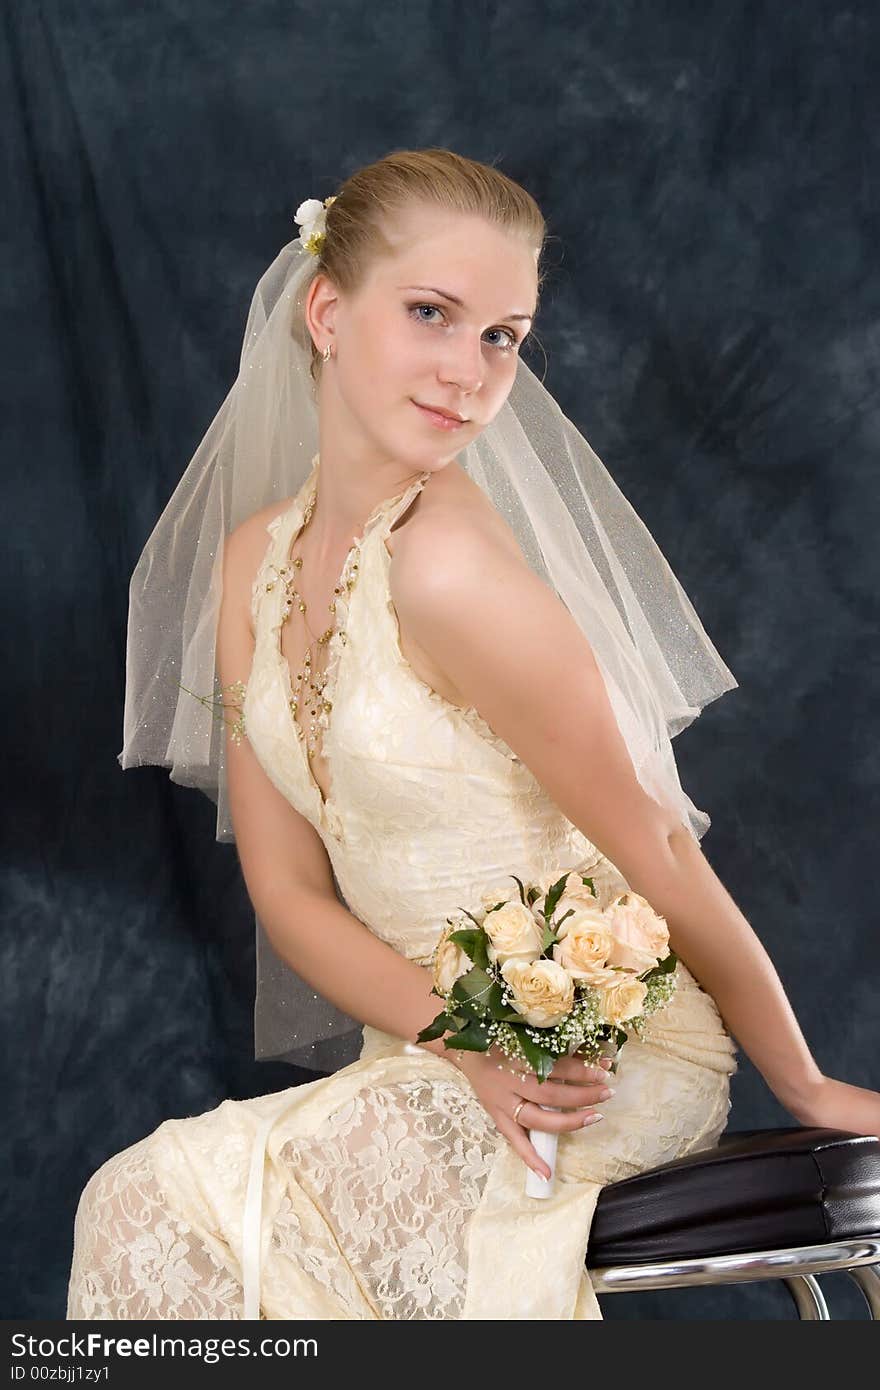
<point x="309" y="684"/>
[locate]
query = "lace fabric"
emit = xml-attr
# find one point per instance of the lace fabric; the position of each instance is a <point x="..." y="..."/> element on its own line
<point x="388" y="1192"/>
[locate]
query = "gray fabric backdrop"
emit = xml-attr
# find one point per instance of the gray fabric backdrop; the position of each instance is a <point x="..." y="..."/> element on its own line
<point x="710" y="173"/>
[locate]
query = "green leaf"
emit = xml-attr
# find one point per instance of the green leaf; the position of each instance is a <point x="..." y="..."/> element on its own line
<point x="549" y="938"/>
<point x="539" y="1059"/>
<point x="663" y="967"/>
<point x="497" y="1007"/>
<point x="471" y="992"/>
<point x="474" y="1037"/>
<point x="472" y="941"/>
<point x="475" y="982"/>
<point x="466" y="938"/>
<point x="436" y="1029"/>
<point x="554" y="893"/>
<point x="522" y="891"/>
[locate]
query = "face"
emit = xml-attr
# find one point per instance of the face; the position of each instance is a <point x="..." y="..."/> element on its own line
<point x="400" y="343"/>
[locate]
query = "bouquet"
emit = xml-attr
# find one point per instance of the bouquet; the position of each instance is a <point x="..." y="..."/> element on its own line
<point x="544" y="974"/>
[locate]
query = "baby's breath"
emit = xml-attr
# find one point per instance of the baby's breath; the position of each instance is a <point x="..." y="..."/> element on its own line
<point x="236" y="692"/>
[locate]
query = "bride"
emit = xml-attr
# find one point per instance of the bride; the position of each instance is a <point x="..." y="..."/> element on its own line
<point x="410" y="708"/>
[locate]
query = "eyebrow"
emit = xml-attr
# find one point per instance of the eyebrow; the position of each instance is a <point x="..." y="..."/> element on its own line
<point x="444" y="294"/>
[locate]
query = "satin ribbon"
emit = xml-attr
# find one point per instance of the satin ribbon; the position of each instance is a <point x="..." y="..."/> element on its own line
<point x="252" y="1223"/>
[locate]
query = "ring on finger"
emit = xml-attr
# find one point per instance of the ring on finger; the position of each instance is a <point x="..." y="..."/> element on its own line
<point x="518" y="1109"/>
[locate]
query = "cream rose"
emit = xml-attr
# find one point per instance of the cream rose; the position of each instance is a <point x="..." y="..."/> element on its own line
<point x="543" y="885"/>
<point x="585" y="942"/>
<point x="576" y="890"/>
<point x="641" y="936"/>
<point x="514" y="933"/>
<point x="492" y="897"/>
<point x="607" y="880"/>
<point x="575" y="893"/>
<point x="450" y="961"/>
<point x="623" y="998"/>
<point x="543" y="992"/>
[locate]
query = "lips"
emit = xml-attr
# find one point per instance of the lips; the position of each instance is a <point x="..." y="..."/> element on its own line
<point x="439" y="410"/>
<point x="440" y="419"/>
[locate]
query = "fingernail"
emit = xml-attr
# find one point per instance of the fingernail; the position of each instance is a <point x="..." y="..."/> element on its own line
<point x="606" y="1093"/>
<point x="606" y="1063"/>
<point x="591" y="1119"/>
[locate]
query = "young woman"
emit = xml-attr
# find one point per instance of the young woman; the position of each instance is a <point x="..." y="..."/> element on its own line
<point x="420" y="716"/>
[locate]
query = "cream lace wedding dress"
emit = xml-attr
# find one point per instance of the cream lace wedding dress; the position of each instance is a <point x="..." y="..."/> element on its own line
<point x="385" y="1190"/>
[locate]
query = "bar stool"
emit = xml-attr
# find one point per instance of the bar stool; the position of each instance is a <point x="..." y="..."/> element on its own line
<point x="784" y="1204"/>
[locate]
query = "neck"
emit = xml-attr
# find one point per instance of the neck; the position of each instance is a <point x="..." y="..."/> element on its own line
<point x="345" y="499"/>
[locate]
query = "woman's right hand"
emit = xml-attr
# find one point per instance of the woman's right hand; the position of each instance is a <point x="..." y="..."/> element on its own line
<point x="501" y="1083"/>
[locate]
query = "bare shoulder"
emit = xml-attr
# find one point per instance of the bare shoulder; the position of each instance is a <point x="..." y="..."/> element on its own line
<point x="251" y="535"/>
<point x="452" y="514"/>
<point x="439" y="548"/>
<point x="458" y="577"/>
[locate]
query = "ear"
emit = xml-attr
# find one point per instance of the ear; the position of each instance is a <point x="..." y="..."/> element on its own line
<point x="320" y="309"/>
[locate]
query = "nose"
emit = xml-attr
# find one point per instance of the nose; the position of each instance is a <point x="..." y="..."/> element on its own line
<point x="464" y="368"/>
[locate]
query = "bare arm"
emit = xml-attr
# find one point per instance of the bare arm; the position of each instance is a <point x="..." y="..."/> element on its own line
<point x="513" y="651"/>
<point x="285" y="864"/>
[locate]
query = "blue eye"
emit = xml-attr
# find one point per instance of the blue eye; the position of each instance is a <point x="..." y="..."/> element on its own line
<point x="435" y="308"/>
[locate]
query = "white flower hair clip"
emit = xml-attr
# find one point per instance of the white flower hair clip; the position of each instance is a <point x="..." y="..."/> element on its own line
<point x="311" y="216"/>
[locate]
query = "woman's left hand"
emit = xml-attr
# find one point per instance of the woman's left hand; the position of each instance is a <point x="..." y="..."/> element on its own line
<point x="836" y="1105"/>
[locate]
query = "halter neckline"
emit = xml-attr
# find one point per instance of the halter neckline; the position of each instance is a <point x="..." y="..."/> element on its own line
<point x="325" y="805"/>
<point x="380" y="507"/>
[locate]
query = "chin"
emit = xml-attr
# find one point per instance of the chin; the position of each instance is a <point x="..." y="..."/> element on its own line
<point x="420" y="456"/>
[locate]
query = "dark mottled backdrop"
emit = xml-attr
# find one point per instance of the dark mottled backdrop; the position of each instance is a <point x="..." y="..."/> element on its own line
<point x="710" y="173"/>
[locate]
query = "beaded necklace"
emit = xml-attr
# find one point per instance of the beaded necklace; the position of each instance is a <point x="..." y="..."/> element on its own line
<point x="309" y="684"/>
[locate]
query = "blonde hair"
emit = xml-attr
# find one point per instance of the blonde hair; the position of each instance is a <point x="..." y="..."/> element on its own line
<point x="373" y="195"/>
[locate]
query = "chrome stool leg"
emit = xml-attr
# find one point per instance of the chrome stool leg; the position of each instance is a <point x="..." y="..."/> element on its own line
<point x="868" y="1279"/>
<point x="808" y="1297"/>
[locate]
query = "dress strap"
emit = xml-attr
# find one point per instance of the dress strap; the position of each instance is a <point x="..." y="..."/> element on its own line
<point x="397" y="505"/>
<point x="280" y="530"/>
<point x="252" y="1223"/>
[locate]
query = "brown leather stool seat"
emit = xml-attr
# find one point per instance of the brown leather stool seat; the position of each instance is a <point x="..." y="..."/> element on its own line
<point x="773" y="1203"/>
